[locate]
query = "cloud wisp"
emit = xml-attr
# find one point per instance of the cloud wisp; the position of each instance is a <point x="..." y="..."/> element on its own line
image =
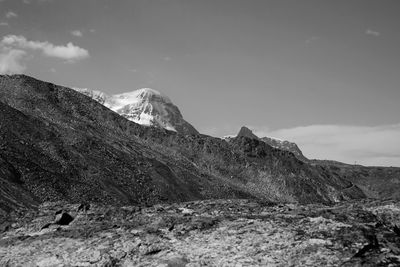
<point x="28" y="2"/>
<point x="77" y="33"/>
<point x="11" y="14"/>
<point x="68" y="52"/>
<point x="15" y="49"/>
<point x="311" y="39"/>
<point x="372" y="33"/>
<point x="12" y="61"/>
<point x="378" y="145"/>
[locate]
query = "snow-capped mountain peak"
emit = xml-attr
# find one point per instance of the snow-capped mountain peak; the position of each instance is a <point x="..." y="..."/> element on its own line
<point x="145" y="106"/>
<point x="139" y="96"/>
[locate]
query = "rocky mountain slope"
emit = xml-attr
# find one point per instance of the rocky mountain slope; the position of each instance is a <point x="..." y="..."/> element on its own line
<point x="146" y="107"/>
<point x="58" y="144"/>
<point x="375" y="182"/>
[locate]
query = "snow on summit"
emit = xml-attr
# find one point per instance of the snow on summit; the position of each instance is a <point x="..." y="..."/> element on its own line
<point x="144" y="106"/>
<point x="134" y="97"/>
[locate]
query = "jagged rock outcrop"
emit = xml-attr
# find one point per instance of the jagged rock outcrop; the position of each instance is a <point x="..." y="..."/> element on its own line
<point x="276" y="143"/>
<point x="246" y="132"/>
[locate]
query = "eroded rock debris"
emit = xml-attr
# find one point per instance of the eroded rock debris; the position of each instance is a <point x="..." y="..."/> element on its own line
<point x="213" y="233"/>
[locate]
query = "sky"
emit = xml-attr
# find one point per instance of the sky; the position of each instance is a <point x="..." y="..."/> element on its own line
<point x="322" y="73"/>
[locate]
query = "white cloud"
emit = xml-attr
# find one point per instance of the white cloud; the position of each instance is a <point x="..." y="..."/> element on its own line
<point x="311" y="39"/>
<point x="38" y="1"/>
<point x="77" y="33"/>
<point x="372" y="32"/>
<point x="3" y="23"/>
<point x="12" y="61"/>
<point x="219" y="130"/>
<point x="379" y="145"/>
<point x="14" y="52"/>
<point x="11" y="14"/>
<point x="68" y="52"/>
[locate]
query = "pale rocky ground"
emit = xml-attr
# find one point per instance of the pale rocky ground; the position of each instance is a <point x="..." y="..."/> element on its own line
<point x="206" y="233"/>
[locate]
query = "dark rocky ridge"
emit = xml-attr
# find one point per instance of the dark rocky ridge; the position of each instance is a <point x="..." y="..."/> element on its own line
<point x="282" y="145"/>
<point x="286" y="145"/>
<point x="62" y="145"/>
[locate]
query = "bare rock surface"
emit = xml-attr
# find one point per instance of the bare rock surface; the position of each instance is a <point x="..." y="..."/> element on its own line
<point x="207" y="233"/>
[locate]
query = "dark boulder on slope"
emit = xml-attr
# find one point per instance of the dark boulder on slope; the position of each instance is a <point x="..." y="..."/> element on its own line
<point x="63" y="218"/>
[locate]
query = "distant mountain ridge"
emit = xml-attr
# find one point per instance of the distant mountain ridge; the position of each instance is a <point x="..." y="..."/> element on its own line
<point x="145" y="106"/>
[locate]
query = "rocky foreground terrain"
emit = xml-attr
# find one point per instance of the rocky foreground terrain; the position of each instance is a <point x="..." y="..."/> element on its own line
<point x="204" y="233"/>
